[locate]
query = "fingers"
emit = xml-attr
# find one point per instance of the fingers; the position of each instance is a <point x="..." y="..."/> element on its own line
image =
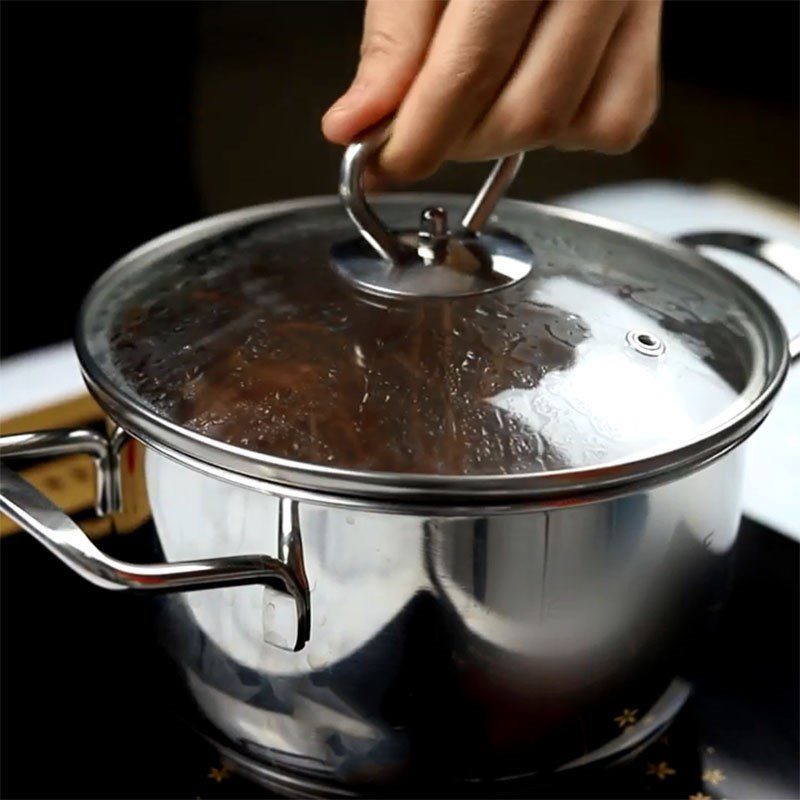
<point x="556" y="70"/>
<point x="395" y="41"/>
<point x="478" y="79"/>
<point x="475" y="47"/>
<point x="622" y="102"/>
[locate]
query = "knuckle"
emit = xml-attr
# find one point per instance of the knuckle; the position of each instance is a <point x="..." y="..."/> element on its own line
<point x="618" y="125"/>
<point x="542" y="124"/>
<point x="380" y="43"/>
<point x="619" y="133"/>
<point x="473" y="70"/>
<point x="620" y="128"/>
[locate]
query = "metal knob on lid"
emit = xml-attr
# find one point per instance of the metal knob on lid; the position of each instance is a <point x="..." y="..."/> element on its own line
<point x="434" y="260"/>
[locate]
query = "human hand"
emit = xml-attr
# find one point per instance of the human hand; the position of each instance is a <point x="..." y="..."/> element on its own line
<point x="471" y="80"/>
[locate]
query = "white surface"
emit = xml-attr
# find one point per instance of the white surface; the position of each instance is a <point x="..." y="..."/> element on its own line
<point x="38" y="379"/>
<point x="772" y="478"/>
<point x="772" y="475"/>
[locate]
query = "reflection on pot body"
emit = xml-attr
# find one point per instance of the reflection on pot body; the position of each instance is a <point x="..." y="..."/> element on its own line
<point x="507" y="643"/>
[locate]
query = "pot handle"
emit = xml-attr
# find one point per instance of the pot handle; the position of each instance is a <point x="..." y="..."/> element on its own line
<point x="47" y="523"/>
<point x="783" y="257"/>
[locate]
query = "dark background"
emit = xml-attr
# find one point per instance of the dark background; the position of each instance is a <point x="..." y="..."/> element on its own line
<point x="123" y="120"/>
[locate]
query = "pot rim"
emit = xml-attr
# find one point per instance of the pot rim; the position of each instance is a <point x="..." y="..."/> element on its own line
<point x="469" y="491"/>
<point x="436" y="508"/>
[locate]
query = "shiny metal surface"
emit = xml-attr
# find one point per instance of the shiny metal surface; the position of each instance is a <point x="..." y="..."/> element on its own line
<point x="783" y="257"/>
<point x="114" y="446"/>
<point x="402" y="264"/>
<point x="646" y="343"/>
<point x="484" y="648"/>
<point x="482" y="625"/>
<point x="351" y="191"/>
<point x="625" y="746"/>
<point x="405" y="503"/>
<point x="755" y="362"/>
<point x="461" y="266"/>
<point x="288" y="783"/>
<point x="61" y="442"/>
<point x="494" y="188"/>
<point x="283" y="574"/>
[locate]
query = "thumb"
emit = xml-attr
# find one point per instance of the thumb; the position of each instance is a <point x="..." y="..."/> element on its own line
<point x="394" y="44"/>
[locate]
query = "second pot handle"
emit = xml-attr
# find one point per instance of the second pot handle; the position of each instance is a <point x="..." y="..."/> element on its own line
<point x="33" y="512"/>
<point x="783" y="257"/>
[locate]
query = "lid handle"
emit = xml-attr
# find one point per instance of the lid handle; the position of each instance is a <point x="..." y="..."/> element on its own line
<point x="351" y="191"/>
<point x="431" y="260"/>
<point x="494" y="187"/>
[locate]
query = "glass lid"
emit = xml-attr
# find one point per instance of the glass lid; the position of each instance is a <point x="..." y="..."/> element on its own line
<point x="235" y="342"/>
<point x="526" y="350"/>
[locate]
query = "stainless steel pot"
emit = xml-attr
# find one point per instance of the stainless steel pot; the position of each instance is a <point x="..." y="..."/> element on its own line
<point x="485" y="625"/>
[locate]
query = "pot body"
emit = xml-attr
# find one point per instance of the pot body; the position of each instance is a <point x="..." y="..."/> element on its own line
<point x="481" y="647"/>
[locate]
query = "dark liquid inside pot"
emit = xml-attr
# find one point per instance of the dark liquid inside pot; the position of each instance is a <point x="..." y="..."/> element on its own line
<point x="250" y="355"/>
<point x="251" y="339"/>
